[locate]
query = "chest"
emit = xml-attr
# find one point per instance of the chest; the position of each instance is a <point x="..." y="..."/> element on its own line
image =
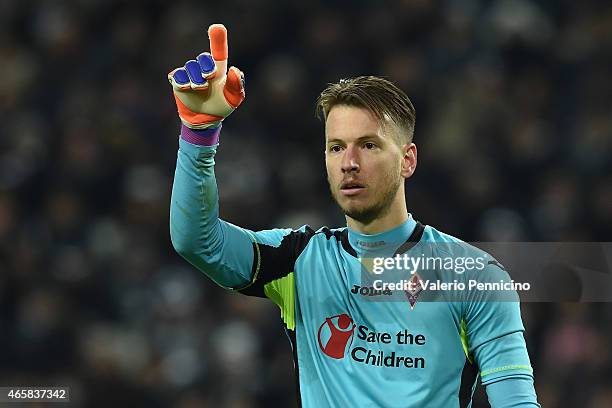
<point x="332" y="284"/>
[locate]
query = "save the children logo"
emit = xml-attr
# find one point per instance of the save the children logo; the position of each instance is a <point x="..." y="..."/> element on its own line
<point x="374" y="348"/>
<point x="335" y="335"/>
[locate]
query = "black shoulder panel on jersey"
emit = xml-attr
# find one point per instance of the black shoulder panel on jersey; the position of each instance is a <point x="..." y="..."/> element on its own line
<point x="276" y="262"/>
<point x="342" y="237"/>
<point x="412" y="240"/>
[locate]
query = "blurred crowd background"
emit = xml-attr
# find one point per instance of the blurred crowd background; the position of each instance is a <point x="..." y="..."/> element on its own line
<point x="514" y="129"/>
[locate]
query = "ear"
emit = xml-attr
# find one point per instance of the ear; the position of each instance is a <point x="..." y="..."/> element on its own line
<point x="409" y="159"/>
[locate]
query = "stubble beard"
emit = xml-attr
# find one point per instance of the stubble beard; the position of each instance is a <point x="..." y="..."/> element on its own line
<point x="379" y="208"/>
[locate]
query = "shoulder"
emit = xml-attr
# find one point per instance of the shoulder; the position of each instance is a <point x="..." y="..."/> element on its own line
<point x="432" y="234"/>
<point x="444" y="243"/>
<point x="299" y="238"/>
<point x="282" y="236"/>
<point x="333" y="236"/>
<point x="323" y="239"/>
<point x="329" y="233"/>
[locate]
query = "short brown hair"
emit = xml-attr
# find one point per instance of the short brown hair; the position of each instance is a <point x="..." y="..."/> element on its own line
<point x="378" y="95"/>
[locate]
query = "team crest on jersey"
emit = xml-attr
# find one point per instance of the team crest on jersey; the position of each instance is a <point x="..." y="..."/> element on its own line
<point x="414" y="291"/>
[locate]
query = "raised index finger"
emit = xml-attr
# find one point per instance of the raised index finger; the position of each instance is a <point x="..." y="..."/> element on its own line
<point x="218" y="41"/>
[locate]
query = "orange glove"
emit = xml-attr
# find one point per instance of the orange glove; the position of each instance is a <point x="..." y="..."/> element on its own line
<point x="204" y="90"/>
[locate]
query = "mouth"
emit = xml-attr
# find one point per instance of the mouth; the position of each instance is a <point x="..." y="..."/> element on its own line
<point x="351" y="188"/>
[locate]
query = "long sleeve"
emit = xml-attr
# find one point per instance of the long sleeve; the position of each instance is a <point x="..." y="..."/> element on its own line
<point x="513" y="392"/>
<point x="494" y="330"/>
<point x="223" y="251"/>
<point x="255" y="263"/>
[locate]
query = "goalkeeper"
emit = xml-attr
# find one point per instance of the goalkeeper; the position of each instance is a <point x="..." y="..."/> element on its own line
<point x="348" y="350"/>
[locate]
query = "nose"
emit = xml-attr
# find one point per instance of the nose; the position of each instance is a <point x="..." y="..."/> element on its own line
<point x="350" y="160"/>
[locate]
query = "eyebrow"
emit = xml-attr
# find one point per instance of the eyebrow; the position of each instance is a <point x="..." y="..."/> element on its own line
<point x="359" y="139"/>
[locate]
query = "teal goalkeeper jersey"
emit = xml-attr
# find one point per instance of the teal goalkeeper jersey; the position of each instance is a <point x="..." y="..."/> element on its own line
<point x="354" y="345"/>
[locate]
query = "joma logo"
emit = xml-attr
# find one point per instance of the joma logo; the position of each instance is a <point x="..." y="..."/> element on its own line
<point x="369" y="291"/>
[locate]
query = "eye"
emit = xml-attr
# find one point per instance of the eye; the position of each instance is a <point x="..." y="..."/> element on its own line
<point x="369" y="145"/>
<point x="335" y="148"/>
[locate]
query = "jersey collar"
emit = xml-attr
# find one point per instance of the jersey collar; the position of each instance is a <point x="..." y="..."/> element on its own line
<point x="390" y="239"/>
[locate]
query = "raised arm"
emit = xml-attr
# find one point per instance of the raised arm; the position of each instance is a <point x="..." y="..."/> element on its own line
<point x="254" y="263"/>
<point x="206" y="93"/>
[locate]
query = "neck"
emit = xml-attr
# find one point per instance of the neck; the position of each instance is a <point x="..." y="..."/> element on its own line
<point x="395" y="215"/>
<point x="382" y="244"/>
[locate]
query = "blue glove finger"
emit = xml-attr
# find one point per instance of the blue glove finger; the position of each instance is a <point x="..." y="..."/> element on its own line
<point x="207" y="65"/>
<point x="179" y="79"/>
<point x="195" y="75"/>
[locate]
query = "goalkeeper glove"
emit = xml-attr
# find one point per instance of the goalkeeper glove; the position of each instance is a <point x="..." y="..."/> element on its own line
<point x="204" y="90"/>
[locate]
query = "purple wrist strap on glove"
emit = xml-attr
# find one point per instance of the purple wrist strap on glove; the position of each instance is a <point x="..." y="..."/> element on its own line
<point x="204" y="137"/>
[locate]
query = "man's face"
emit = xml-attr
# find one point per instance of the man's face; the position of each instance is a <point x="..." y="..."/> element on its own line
<point x="364" y="163"/>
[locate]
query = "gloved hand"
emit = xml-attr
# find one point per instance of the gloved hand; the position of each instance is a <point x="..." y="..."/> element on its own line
<point x="205" y="92"/>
